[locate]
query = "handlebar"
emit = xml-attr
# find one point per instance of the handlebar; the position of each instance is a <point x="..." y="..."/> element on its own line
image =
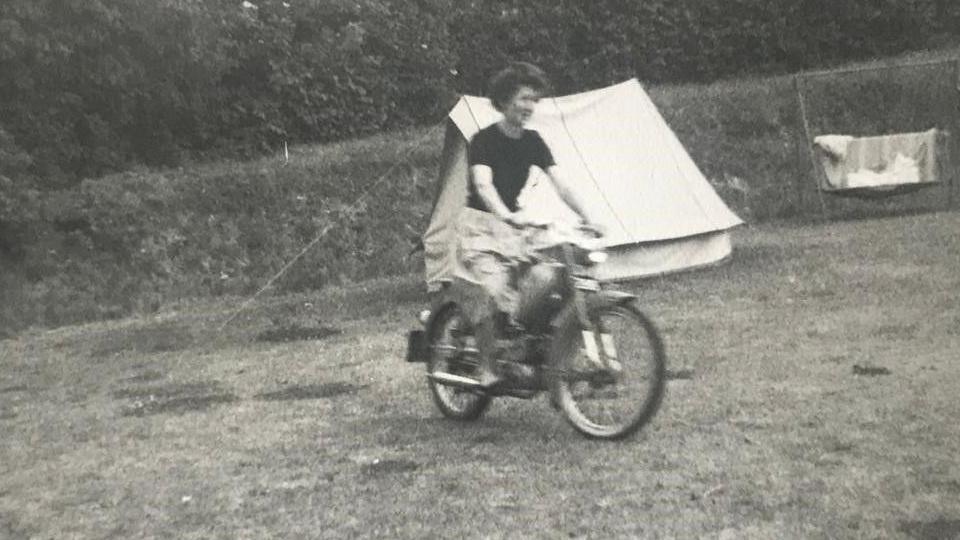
<point x="581" y="227"/>
<point x="590" y="230"/>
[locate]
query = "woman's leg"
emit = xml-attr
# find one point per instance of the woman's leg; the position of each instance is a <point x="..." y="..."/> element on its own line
<point x="494" y="274"/>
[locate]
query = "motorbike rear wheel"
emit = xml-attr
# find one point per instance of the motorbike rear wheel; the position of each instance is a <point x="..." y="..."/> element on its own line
<point x="604" y="404"/>
<point x="448" y="354"/>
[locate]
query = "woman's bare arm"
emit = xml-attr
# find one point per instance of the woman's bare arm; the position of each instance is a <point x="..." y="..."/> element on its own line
<point x="564" y="188"/>
<point x="482" y="176"/>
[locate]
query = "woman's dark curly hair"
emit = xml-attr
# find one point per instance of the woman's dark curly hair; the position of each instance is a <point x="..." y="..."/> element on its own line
<point x="505" y="84"/>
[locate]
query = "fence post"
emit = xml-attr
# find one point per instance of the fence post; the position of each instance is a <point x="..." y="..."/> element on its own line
<point x="953" y="140"/>
<point x="807" y="142"/>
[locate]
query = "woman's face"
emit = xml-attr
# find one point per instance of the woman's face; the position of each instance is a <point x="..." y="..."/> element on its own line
<point x="520" y="107"/>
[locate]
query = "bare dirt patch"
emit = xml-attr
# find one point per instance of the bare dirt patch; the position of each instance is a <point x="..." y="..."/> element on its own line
<point x="164" y="337"/>
<point x="149" y="375"/>
<point x="679" y="374"/>
<point x="896" y="331"/>
<point x="938" y="529"/>
<point x="310" y="391"/>
<point x="172" y="398"/>
<point x="870" y="371"/>
<point x="294" y="332"/>
<point x="381" y="467"/>
<point x="11" y="528"/>
<point x="489" y="438"/>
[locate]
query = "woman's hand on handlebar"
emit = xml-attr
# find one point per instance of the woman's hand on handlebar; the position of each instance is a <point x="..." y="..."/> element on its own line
<point x="514" y="219"/>
<point x="520" y="221"/>
<point x="594" y="229"/>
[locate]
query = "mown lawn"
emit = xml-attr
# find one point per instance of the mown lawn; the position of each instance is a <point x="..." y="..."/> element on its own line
<point x="815" y="396"/>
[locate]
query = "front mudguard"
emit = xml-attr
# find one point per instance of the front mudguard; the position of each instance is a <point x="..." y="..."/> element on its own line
<point x="568" y="315"/>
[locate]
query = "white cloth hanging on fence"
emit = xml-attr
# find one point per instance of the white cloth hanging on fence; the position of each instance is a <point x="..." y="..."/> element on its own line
<point x="904" y="170"/>
<point x="880" y="161"/>
<point x="835" y="145"/>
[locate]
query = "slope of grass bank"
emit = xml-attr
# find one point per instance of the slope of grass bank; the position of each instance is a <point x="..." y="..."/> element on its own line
<point x="135" y="241"/>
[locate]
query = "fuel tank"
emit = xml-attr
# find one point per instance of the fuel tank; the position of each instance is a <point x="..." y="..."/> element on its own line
<point x="541" y="295"/>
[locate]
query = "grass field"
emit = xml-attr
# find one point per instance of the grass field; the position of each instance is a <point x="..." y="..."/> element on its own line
<point x="814" y="396"/>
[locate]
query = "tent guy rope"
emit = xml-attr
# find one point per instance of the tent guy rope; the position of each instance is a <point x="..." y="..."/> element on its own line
<point x="323" y="233"/>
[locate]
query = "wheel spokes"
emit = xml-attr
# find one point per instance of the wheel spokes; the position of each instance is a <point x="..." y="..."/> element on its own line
<point x="449" y="351"/>
<point x="609" y="399"/>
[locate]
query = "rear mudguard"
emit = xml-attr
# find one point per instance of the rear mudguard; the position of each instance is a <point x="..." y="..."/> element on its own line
<point x="566" y="325"/>
<point x="419" y="341"/>
<point x="435" y="313"/>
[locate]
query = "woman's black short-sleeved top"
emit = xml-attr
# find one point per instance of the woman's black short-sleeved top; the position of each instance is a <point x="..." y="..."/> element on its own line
<point x="510" y="160"/>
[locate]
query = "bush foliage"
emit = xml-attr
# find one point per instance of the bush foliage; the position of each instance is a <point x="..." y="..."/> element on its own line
<point x="93" y="86"/>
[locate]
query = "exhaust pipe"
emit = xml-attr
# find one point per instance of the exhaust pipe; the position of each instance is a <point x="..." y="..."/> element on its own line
<point x="450" y="379"/>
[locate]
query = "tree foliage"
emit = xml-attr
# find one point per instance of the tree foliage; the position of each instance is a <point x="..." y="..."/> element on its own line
<point x="93" y="86"/>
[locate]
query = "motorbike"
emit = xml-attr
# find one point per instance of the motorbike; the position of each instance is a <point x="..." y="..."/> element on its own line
<point x="585" y="343"/>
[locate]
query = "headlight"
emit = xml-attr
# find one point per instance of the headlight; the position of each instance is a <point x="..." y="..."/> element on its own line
<point x="424" y="316"/>
<point x="597" y="257"/>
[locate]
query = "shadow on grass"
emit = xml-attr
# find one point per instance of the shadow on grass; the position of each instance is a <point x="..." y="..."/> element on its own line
<point x="938" y="529"/>
<point x="872" y="212"/>
<point x="896" y="331"/>
<point x="534" y="427"/>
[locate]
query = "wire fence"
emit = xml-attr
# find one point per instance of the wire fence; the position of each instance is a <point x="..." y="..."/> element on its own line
<point x="884" y="100"/>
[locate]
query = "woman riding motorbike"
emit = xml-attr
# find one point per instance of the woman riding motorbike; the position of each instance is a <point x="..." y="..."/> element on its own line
<point x="499" y="158"/>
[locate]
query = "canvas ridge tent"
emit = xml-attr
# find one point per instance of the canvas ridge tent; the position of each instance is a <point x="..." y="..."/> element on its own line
<point x="660" y="213"/>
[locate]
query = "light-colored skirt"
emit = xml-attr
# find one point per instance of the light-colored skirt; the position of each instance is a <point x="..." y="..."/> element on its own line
<point x="488" y="250"/>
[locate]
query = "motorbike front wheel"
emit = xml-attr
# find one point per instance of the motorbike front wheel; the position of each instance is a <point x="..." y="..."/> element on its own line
<point x="614" y="403"/>
<point x="449" y="353"/>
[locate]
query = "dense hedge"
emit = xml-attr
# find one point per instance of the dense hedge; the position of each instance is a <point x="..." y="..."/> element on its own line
<point x="92" y="86"/>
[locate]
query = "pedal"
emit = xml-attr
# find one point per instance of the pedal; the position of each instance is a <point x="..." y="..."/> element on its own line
<point x="519" y="375"/>
<point x="522" y="372"/>
<point x="614" y="366"/>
